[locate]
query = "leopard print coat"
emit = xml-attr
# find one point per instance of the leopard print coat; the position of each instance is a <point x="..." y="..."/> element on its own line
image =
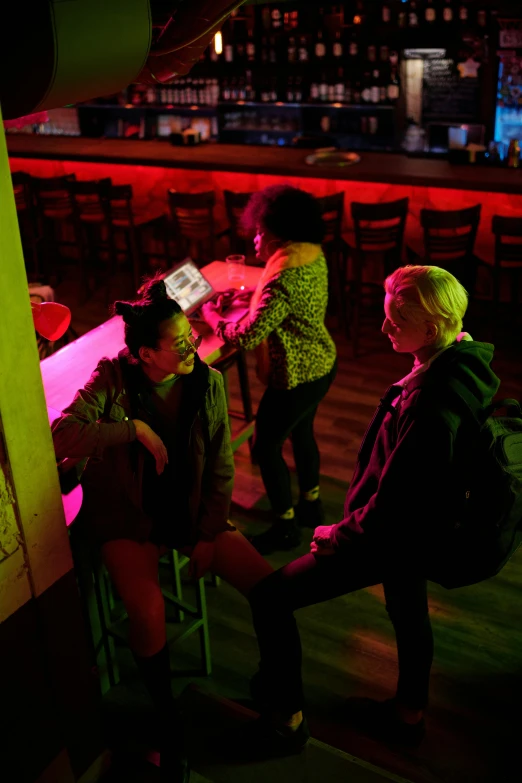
<point x="290" y="315"/>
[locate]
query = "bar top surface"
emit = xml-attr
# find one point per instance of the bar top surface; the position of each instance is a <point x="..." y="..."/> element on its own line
<point x="391" y="168"/>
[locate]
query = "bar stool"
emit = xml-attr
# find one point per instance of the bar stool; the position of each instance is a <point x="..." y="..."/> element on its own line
<point x="57" y="220"/>
<point x="334" y="246"/>
<point x="379" y="234"/>
<point x="508" y="257"/>
<point x="106" y="618"/>
<point x="449" y="242"/>
<point x="92" y="212"/>
<point x="235" y="204"/>
<point x="132" y="226"/>
<point x="27" y="221"/>
<point x="193" y="221"/>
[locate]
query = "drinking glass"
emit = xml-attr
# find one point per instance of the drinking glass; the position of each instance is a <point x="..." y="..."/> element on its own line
<point x="236" y="268"/>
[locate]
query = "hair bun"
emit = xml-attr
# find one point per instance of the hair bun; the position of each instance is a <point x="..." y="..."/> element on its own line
<point x="155" y="290"/>
<point x="127" y="310"/>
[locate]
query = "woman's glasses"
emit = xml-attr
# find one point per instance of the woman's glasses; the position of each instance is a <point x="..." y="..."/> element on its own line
<point x="192" y="347"/>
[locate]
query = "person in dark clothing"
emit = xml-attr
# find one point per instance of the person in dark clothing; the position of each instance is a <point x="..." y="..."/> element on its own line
<point x="295" y="354"/>
<point x="401" y="490"/>
<point x="153" y="423"/>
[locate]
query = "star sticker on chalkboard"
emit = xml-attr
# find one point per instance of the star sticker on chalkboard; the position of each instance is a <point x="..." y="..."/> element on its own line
<point x="468" y="68"/>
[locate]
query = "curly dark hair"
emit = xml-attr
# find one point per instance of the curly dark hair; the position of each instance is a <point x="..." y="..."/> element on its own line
<point x="143" y="316"/>
<point x="289" y="213"/>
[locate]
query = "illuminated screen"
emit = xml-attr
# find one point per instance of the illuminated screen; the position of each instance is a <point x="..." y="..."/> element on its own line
<point x="187" y="286"/>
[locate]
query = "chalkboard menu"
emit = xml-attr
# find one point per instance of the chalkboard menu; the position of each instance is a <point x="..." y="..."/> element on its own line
<point x="446" y="97"/>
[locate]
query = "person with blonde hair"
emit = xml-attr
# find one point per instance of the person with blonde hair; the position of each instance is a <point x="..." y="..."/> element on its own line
<point x="403" y="487"/>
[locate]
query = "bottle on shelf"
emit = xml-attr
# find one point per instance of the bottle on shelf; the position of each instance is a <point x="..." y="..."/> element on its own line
<point x="264" y="50"/>
<point x="401" y="17"/>
<point x="386" y="13"/>
<point x="229" y="53"/>
<point x="292" y="50"/>
<point x="366" y="91"/>
<point x="392" y="90"/>
<point x="371" y="53"/>
<point x="272" y="55"/>
<point x="430" y="13"/>
<point x="302" y="52"/>
<point x="339" y="89"/>
<point x="314" y="92"/>
<point x="320" y="48"/>
<point x="447" y="13"/>
<point x="323" y="89"/>
<point x="413" y="16"/>
<point x="298" y="89"/>
<point x="482" y="17"/>
<point x="337" y="49"/>
<point x="290" y="90"/>
<point x="463" y="13"/>
<point x="277" y="19"/>
<point x="375" y="92"/>
<point x="250" y="46"/>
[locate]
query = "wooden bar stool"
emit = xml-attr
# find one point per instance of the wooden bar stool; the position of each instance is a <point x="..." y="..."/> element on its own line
<point x="132" y="226"/>
<point x="92" y="213"/>
<point x="27" y="221"/>
<point x="449" y="242"/>
<point x="508" y="258"/>
<point x="335" y="247"/>
<point x="57" y="221"/>
<point x="192" y="217"/>
<point x="235" y="204"/>
<point x="379" y="235"/>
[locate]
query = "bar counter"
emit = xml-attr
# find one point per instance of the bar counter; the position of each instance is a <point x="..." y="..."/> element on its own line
<point x="390" y="168"/>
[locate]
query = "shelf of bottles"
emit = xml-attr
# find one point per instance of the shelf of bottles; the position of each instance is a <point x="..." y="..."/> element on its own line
<point x="344" y="57"/>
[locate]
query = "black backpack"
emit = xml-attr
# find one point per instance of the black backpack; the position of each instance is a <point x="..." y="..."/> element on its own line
<point x="484" y="527"/>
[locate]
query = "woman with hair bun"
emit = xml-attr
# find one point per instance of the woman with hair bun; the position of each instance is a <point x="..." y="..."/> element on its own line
<point x="153" y="425"/>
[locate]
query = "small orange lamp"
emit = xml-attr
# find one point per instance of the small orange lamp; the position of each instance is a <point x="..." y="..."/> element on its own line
<point x="50" y="319"/>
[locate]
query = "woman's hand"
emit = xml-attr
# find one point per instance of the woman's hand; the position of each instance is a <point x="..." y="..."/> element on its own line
<point x="321" y="543"/>
<point x="152" y="443"/>
<point x="210" y="314"/>
<point x="201" y="559"/>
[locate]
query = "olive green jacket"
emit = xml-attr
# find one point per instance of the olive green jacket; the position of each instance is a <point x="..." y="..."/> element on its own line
<point x="98" y="425"/>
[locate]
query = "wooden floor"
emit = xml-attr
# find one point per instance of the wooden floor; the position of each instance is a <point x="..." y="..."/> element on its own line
<point x="474" y="720"/>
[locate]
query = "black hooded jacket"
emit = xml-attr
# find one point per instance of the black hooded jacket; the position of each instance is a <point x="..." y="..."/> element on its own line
<point x="407" y="465"/>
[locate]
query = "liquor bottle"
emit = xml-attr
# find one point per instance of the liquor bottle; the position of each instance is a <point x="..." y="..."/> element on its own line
<point x="323" y="89"/>
<point x="320" y="48"/>
<point x="366" y="91"/>
<point x="302" y="52"/>
<point x="234" y="92"/>
<point x="225" y="91"/>
<point x="371" y="53"/>
<point x="447" y="13"/>
<point x="290" y="89"/>
<point x="214" y="91"/>
<point x="353" y="47"/>
<point x="392" y="91"/>
<point x="463" y="13"/>
<point x="292" y="50"/>
<point x="241" y="91"/>
<point x="482" y="17"/>
<point x="314" y="92"/>
<point x="229" y="53"/>
<point x="272" y="57"/>
<point x="338" y="45"/>
<point x="339" y="86"/>
<point x="384" y="53"/>
<point x="430" y="14"/>
<point x="375" y="92"/>
<point x="356" y="93"/>
<point x="273" y="90"/>
<point x="250" y="46"/>
<point x="413" y="16"/>
<point x="277" y="19"/>
<point x="298" y="89"/>
<point x="250" y="92"/>
<point x="401" y="17"/>
<point x="386" y="14"/>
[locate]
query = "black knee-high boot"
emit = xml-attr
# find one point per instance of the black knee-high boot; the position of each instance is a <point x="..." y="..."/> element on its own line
<point x="155" y="672"/>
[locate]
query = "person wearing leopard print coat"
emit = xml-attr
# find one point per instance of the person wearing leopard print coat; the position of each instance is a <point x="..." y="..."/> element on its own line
<point x="296" y="356"/>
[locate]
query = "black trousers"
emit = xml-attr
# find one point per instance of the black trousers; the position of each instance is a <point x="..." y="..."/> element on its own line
<point x="284" y="413"/>
<point x="312" y="579"/>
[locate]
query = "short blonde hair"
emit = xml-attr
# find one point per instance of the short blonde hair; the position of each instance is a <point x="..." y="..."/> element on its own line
<point x="429" y="293"/>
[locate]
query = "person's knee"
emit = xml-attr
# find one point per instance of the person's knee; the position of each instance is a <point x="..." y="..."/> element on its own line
<point x="146" y="610"/>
